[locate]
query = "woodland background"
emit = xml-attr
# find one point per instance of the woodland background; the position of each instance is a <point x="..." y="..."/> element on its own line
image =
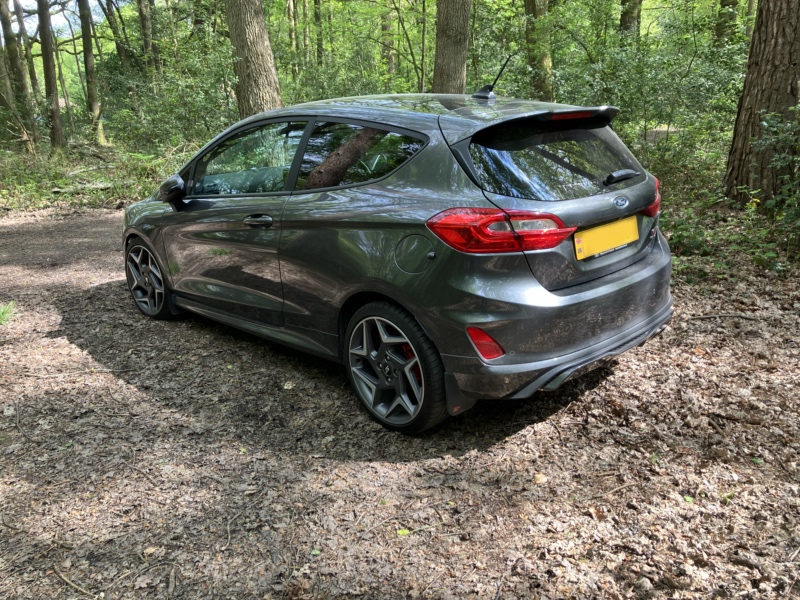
<point x="142" y="84"/>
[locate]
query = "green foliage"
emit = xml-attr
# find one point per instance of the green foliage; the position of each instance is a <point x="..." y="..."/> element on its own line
<point x="7" y="312"/>
<point x="86" y="178"/>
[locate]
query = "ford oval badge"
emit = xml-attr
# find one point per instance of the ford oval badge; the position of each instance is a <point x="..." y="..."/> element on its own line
<point x="620" y="202"/>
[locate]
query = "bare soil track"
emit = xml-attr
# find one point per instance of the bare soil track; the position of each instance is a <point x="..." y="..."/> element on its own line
<point x="143" y="459"/>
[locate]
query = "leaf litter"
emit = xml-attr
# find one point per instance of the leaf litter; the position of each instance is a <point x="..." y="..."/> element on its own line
<point x="143" y="459"/>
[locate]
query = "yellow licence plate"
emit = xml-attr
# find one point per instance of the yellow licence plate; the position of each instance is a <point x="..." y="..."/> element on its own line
<point x="606" y="238"/>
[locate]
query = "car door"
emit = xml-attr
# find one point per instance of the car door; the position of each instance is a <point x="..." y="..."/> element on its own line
<point x="222" y="240"/>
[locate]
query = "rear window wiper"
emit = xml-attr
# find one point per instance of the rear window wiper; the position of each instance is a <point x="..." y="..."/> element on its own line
<point x="620" y="175"/>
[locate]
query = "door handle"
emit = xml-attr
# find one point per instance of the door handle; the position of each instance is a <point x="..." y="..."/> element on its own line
<point x="258" y="221"/>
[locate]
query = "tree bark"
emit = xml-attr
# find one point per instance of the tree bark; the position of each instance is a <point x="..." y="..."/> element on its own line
<point x="630" y="18"/>
<point x="257" y="87"/>
<point x="771" y="85"/>
<point x="26" y="40"/>
<point x="146" y="24"/>
<point x="318" y="25"/>
<point x="18" y="76"/>
<point x="58" y="138"/>
<point x="452" y="38"/>
<point x="92" y="100"/>
<point x="388" y="53"/>
<point x="540" y="60"/>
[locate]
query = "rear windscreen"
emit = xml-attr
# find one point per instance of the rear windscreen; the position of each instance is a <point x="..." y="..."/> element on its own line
<point x="543" y="162"/>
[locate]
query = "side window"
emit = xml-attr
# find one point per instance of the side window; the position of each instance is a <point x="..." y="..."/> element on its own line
<point x="252" y="162"/>
<point x="346" y="154"/>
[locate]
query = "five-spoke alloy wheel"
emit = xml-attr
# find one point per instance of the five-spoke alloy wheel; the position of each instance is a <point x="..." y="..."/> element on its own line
<point x="395" y="369"/>
<point x="146" y="281"/>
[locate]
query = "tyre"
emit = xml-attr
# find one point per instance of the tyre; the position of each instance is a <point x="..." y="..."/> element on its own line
<point x="146" y="280"/>
<point x="395" y="369"/>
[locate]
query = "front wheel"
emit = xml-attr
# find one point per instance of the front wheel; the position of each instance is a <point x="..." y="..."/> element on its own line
<point x="146" y="280"/>
<point x="395" y="369"/>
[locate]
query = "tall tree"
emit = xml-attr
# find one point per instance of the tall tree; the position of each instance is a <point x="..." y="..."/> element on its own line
<point x="452" y="37"/>
<point x="18" y="76"/>
<point x="26" y="40"/>
<point x="771" y="85"/>
<point x="540" y="58"/>
<point x="58" y="138"/>
<point x="92" y="101"/>
<point x="257" y="87"/>
<point x="630" y="18"/>
<point x="725" y="26"/>
<point x="146" y="24"/>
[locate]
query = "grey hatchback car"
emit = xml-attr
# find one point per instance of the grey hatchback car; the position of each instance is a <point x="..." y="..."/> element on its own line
<point x="444" y="248"/>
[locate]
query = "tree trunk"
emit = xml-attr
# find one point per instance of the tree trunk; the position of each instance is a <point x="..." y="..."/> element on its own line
<point x="540" y="60"/>
<point x="452" y="37"/>
<point x="120" y="36"/>
<point x="146" y="24"/>
<point x="630" y="18"/>
<point x="318" y="25"/>
<point x="58" y="139"/>
<point x="388" y="53"/>
<point x="771" y="85"/>
<point x="18" y="77"/>
<point x="257" y="87"/>
<point x="725" y="26"/>
<point x="28" y="48"/>
<point x="92" y="101"/>
<point x="751" y="11"/>
<point x="291" y="13"/>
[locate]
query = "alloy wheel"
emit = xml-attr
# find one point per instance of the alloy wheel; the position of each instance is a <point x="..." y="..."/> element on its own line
<point x="145" y="280"/>
<point x="386" y="371"/>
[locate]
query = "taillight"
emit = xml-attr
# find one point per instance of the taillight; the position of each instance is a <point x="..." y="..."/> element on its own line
<point x="652" y="210"/>
<point x="490" y="230"/>
<point x="485" y="344"/>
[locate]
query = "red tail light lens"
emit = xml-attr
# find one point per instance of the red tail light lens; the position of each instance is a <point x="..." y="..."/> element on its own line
<point x="652" y="210"/>
<point x="578" y="114"/>
<point x="490" y="230"/>
<point x="485" y="344"/>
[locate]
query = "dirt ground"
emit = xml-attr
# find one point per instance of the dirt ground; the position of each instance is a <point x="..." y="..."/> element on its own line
<point x="143" y="459"/>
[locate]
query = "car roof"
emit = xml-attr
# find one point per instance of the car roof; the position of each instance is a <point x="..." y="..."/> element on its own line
<point x="458" y="115"/>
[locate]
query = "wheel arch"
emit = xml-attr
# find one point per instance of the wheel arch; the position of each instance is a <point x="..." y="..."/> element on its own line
<point x="359" y="299"/>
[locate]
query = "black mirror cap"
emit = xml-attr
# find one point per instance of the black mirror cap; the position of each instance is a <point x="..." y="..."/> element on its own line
<point x="172" y="190"/>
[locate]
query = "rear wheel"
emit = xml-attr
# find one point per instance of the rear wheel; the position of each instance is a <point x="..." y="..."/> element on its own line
<point x="395" y="369"/>
<point x="146" y="280"/>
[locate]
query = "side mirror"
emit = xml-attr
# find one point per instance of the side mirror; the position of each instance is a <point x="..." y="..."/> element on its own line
<point x="172" y="190"/>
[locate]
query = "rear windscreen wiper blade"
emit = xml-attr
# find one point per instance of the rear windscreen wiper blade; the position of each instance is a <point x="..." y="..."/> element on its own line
<point x="620" y="175"/>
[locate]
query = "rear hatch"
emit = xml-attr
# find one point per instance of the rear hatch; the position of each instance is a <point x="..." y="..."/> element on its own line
<point x="568" y="164"/>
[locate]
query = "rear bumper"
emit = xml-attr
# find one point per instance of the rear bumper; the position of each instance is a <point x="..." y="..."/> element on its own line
<point x="551" y="337"/>
<point x="522" y="380"/>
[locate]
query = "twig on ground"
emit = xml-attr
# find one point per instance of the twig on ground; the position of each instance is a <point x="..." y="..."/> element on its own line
<point x="74" y="586"/>
<point x="90" y="371"/>
<point x="239" y="514"/>
<point x="743" y="561"/>
<point x="793" y="555"/>
<point x="609" y="492"/>
<point x="726" y="316"/>
<point x="143" y="472"/>
<point x="14" y="527"/>
<point x="16" y="422"/>
<point x="558" y="431"/>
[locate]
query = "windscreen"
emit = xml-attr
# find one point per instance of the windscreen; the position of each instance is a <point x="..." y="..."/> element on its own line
<point x="552" y="162"/>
